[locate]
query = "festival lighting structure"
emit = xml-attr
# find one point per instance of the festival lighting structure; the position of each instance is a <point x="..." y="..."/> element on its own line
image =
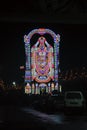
<point x="42" y="61"/>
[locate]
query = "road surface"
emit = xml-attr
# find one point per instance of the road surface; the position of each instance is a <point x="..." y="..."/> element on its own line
<point x="13" y="117"/>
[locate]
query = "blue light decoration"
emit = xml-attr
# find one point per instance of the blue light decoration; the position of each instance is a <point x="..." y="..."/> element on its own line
<point x="42" y="60"/>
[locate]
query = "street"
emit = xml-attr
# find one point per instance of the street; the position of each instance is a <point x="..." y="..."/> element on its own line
<point x="13" y="117"/>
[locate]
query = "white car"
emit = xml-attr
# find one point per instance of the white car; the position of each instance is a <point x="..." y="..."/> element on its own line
<point x="74" y="99"/>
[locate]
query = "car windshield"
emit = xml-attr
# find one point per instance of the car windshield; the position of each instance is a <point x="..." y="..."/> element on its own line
<point x="73" y="96"/>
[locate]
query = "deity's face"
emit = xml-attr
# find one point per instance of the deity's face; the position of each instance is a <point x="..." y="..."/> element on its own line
<point x="42" y="41"/>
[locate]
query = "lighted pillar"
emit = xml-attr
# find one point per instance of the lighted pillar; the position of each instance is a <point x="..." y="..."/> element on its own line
<point x="56" y="86"/>
<point x="52" y="86"/>
<point x="49" y="88"/>
<point x="33" y="89"/>
<point x="36" y="90"/>
<point x="27" y="88"/>
<point x="28" y="66"/>
<point x="60" y="88"/>
<point x="56" y="59"/>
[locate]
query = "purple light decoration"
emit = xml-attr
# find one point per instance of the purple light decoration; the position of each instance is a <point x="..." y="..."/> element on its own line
<point x="27" y="39"/>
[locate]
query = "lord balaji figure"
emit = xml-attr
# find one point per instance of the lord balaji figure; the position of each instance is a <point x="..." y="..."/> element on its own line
<point x="42" y="61"/>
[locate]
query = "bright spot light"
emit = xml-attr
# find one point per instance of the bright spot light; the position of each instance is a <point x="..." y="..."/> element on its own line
<point x="14" y="83"/>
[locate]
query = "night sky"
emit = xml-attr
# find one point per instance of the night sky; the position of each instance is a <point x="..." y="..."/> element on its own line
<point x="73" y="46"/>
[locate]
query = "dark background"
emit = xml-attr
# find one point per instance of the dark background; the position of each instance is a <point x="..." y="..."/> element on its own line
<point x="69" y="19"/>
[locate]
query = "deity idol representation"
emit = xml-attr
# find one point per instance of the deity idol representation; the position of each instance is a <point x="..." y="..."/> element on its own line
<point x="42" y="63"/>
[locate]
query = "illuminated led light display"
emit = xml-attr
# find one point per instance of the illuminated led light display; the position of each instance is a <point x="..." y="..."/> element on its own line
<point x="42" y="61"/>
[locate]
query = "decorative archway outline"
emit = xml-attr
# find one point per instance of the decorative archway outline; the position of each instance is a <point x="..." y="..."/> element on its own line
<point x="27" y="40"/>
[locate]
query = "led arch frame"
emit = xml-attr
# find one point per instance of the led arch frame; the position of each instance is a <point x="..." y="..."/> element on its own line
<point x="29" y="72"/>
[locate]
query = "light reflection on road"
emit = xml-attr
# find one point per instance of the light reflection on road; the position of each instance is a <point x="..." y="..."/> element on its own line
<point x="59" y="118"/>
<point x="28" y="116"/>
<point x="52" y="118"/>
